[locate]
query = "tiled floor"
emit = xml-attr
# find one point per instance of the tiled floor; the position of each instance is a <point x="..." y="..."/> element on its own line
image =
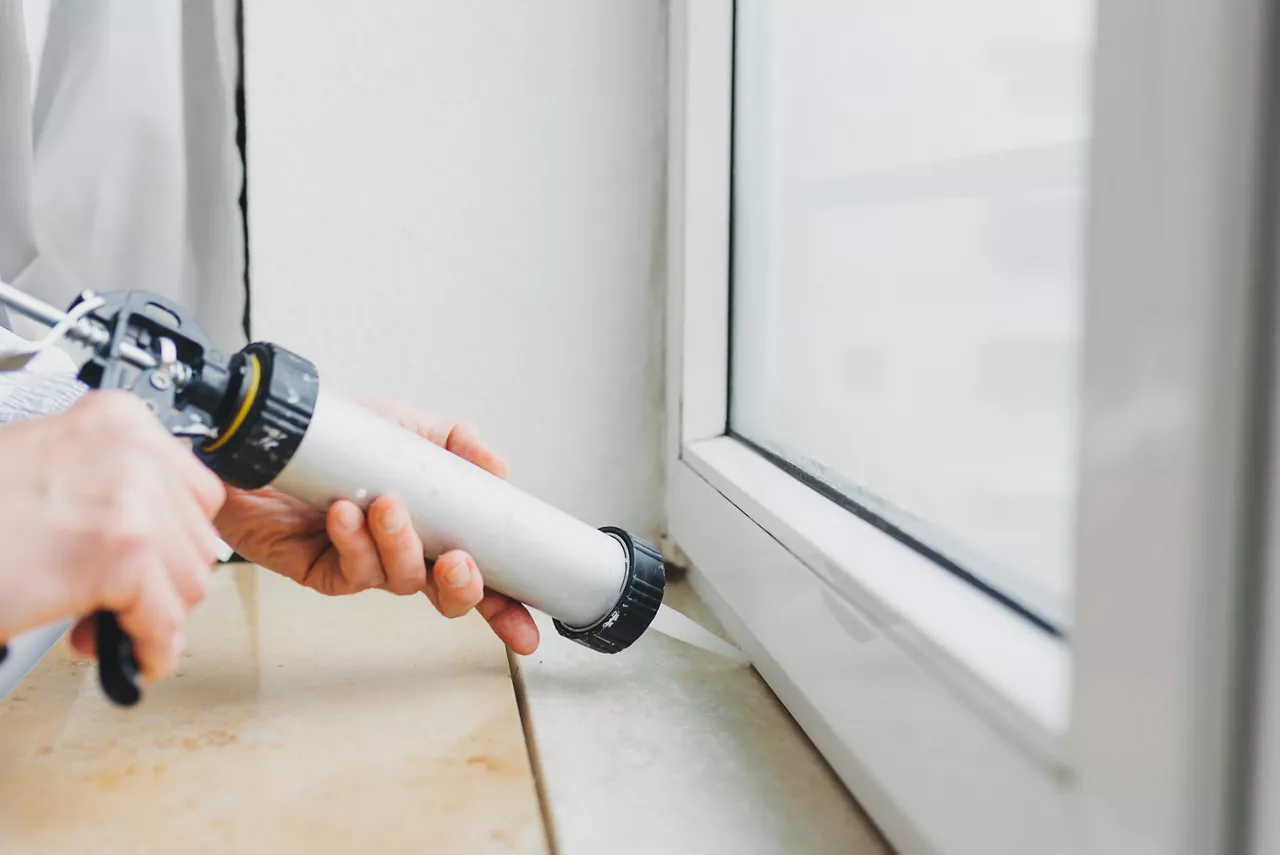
<point x="297" y="723"/>
<point x="301" y="723"/>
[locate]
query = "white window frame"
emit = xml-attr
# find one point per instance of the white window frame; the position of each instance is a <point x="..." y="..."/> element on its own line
<point x="1264" y="821"/>
<point x="942" y="711"/>
<point x="1263" y="678"/>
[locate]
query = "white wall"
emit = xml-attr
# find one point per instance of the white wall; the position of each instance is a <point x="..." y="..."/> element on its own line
<point x="461" y="204"/>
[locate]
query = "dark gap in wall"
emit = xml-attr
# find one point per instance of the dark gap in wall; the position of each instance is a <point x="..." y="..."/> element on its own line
<point x="241" y="136"/>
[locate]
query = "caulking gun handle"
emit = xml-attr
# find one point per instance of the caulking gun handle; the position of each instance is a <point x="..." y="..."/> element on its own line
<point x="117" y="664"/>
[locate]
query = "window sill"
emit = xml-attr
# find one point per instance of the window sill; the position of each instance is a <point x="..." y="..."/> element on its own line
<point x="1006" y="665"/>
<point x="940" y="758"/>
<point x="25" y="651"/>
<point x="668" y="748"/>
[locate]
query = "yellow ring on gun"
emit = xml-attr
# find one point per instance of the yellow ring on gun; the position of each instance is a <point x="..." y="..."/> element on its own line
<point x="255" y="379"/>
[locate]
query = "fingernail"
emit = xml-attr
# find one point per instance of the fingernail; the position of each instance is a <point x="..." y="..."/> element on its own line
<point x="348" y="517"/>
<point x="456" y="575"/>
<point x="394" y="518"/>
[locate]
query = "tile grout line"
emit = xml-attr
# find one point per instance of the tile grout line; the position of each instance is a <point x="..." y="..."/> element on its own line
<point x="535" y="763"/>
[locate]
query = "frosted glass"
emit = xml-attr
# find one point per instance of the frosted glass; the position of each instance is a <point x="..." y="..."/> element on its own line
<point x="908" y="200"/>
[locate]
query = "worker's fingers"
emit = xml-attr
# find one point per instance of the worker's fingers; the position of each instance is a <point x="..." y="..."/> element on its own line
<point x="83" y="636"/>
<point x="464" y="441"/>
<point x="461" y="438"/>
<point x="123" y="417"/>
<point x="425" y="425"/>
<point x="209" y="493"/>
<point x="358" y="560"/>
<point x="154" y="620"/>
<point x="509" y="619"/>
<point x="458" y="586"/>
<point x="511" y="622"/>
<point x="192" y="549"/>
<point x="398" y="546"/>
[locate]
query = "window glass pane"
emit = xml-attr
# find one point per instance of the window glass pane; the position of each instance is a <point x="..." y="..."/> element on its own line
<point x="909" y="188"/>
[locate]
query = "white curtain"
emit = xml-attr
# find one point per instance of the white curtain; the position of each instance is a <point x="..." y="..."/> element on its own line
<point x="118" y="170"/>
<point x="118" y="160"/>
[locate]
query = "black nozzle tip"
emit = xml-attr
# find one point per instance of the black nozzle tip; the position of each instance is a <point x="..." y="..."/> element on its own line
<point x="637" y="605"/>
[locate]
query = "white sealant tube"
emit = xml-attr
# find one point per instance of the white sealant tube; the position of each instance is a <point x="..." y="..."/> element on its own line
<point x="525" y="548"/>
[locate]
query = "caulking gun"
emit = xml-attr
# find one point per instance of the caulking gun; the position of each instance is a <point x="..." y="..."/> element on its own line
<point x="260" y="417"/>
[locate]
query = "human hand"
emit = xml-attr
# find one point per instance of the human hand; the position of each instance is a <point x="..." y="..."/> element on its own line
<point x="100" y="508"/>
<point x="344" y="551"/>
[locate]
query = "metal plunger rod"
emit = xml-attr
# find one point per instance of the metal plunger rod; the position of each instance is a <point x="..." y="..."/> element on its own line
<point x="85" y="331"/>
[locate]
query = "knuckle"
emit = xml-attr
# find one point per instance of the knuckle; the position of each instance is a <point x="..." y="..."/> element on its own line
<point x="209" y="553"/>
<point x="200" y="585"/>
<point x="119" y="532"/>
<point x="405" y="584"/>
<point x="454" y="607"/>
<point x="212" y="491"/>
<point x="119" y="579"/>
<point x="113" y="409"/>
<point x="364" y="576"/>
<point x="123" y="548"/>
<point x="165" y="624"/>
<point x="372" y="578"/>
<point x="127" y="468"/>
<point x="456" y="432"/>
<point x="129" y="471"/>
<point x="210" y="482"/>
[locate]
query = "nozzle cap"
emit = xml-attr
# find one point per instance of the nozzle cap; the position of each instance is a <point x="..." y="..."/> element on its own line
<point x="276" y="412"/>
<point x="637" y="605"/>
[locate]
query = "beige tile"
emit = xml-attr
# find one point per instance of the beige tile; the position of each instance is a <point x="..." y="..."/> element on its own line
<point x="298" y="723"/>
<point x="667" y="749"/>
